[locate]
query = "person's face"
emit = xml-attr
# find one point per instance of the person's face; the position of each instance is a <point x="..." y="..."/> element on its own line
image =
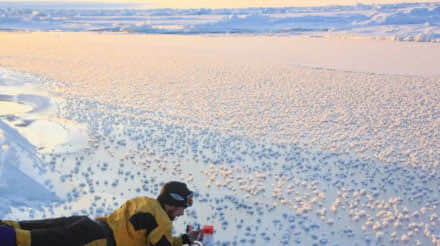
<point x="174" y="212"/>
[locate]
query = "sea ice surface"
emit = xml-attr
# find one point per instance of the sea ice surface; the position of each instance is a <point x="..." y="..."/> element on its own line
<point x="277" y="153"/>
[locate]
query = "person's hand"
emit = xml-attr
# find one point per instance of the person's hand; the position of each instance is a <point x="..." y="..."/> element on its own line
<point x="195" y="236"/>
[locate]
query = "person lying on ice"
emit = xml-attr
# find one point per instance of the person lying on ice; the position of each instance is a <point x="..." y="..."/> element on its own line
<point x="141" y="221"/>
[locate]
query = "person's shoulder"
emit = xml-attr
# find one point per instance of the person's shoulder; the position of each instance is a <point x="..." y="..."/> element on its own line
<point x="153" y="207"/>
<point x="142" y="199"/>
<point x="149" y="203"/>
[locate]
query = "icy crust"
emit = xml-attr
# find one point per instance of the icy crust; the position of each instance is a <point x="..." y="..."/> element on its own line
<point x="278" y="154"/>
<point x="404" y="22"/>
<point x="386" y="118"/>
<point x="32" y="112"/>
<point x="254" y="192"/>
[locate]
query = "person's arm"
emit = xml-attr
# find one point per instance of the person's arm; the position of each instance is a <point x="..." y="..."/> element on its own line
<point x="166" y="239"/>
<point x="162" y="237"/>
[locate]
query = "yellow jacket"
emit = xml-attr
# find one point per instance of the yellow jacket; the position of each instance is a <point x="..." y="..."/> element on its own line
<point x="141" y="222"/>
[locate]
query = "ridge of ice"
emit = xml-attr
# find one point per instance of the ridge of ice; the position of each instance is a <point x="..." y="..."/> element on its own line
<point x="405" y="22"/>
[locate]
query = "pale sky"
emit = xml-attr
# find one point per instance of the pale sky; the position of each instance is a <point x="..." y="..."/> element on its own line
<point x="234" y="3"/>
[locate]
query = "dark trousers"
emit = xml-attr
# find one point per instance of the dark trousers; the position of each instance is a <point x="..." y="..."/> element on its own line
<point x="66" y="231"/>
<point x="7" y="236"/>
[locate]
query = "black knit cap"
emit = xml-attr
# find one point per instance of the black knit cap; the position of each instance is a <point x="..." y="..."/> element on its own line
<point x="175" y="193"/>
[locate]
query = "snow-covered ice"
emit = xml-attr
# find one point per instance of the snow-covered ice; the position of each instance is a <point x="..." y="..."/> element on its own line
<point x="255" y="190"/>
<point x="404" y="22"/>
<point x="334" y="142"/>
<point x="33" y="113"/>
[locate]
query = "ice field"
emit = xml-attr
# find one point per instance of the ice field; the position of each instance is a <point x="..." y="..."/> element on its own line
<point x="287" y="138"/>
<point x="278" y="153"/>
<point x="403" y="22"/>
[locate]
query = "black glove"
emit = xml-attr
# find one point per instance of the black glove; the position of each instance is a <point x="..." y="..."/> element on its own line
<point x="192" y="236"/>
<point x="185" y="239"/>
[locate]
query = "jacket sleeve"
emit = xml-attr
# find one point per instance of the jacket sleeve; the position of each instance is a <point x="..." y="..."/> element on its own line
<point x="163" y="237"/>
